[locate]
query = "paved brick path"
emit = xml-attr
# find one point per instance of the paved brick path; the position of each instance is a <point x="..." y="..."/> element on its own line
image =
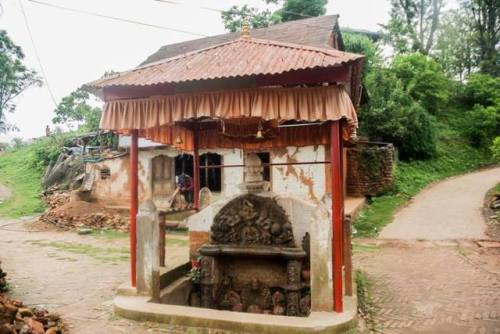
<point x="434" y="287"/>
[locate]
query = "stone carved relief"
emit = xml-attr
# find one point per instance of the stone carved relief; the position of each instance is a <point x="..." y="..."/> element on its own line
<point x="256" y="297"/>
<point x="252" y="220"/>
<point x="292" y="304"/>
<point x="294" y="273"/>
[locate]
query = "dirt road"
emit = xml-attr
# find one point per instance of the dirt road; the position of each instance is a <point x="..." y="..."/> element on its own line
<point x="75" y="275"/>
<point x="451" y="209"/>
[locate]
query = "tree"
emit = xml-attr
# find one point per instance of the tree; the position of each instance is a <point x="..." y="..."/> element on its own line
<point x="413" y="25"/>
<point x="393" y="116"/>
<point x="75" y="109"/>
<point x="456" y="48"/>
<point x="423" y="79"/>
<point x="233" y="18"/>
<point x="300" y="9"/>
<point x="486" y="24"/>
<point x="361" y="44"/>
<point x="482" y="89"/>
<point x="290" y="10"/>
<point x="15" y="77"/>
<point x="495" y="149"/>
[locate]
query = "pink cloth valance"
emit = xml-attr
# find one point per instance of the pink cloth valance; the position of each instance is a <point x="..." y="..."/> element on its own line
<point x="282" y="104"/>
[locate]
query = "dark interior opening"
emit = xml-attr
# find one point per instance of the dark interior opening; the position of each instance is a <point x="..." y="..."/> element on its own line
<point x="184" y="164"/>
<point x="211" y="177"/>
<point x="265" y="157"/>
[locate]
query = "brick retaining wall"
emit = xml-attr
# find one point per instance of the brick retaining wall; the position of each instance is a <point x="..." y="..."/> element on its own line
<point x="370" y="168"/>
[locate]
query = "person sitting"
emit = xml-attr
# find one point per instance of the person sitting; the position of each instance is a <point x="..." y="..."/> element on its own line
<point x="185" y="184"/>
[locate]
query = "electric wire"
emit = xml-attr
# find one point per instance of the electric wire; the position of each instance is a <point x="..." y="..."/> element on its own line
<point x="150" y="25"/>
<point x="115" y="18"/>
<point x="221" y="10"/>
<point x="37" y="55"/>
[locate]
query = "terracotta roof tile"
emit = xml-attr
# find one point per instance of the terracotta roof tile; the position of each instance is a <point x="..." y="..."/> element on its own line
<point x="244" y="56"/>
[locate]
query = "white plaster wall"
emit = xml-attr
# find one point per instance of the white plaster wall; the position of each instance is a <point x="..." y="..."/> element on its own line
<point x="303" y="181"/>
<point x="306" y="182"/>
<point x="115" y="189"/>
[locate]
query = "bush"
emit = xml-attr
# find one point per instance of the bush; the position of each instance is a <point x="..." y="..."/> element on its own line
<point x="424" y="80"/>
<point x="481" y="89"/>
<point x="495" y="148"/>
<point x="393" y="116"/>
<point x="419" y="141"/>
<point x="481" y="124"/>
<point x="48" y="149"/>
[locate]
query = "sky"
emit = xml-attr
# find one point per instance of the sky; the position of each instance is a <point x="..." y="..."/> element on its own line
<point x="75" y="48"/>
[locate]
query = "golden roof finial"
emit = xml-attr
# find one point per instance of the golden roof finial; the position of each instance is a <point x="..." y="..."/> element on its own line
<point x="245" y="27"/>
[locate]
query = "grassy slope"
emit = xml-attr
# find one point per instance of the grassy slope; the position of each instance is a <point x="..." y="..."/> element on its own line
<point x="455" y="157"/>
<point x="17" y="172"/>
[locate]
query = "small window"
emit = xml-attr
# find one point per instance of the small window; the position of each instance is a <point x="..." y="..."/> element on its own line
<point x="211" y="177"/>
<point x="105" y="173"/>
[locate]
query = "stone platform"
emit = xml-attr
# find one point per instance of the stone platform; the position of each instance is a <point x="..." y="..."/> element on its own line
<point x="141" y="309"/>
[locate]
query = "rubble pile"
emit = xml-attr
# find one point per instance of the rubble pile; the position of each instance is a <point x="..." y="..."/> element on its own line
<point x="17" y="319"/>
<point x="3" y="281"/>
<point x="56" y="199"/>
<point x="492" y="213"/>
<point x="495" y="202"/>
<point x="70" y="215"/>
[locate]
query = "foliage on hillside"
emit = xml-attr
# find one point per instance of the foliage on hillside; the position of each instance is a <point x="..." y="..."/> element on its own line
<point x="20" y="172"/>
<point x="454" y="156"/>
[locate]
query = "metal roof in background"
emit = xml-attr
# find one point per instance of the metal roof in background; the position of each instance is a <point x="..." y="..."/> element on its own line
<point x="315" y="31"/>
<point x="242" y="57"/>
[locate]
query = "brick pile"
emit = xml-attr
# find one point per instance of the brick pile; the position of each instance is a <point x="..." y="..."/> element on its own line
<point x="15" y="318"/>
<point x="73" y="215"/>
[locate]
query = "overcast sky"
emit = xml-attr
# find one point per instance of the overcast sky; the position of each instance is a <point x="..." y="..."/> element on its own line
<point x="76" y="48"/>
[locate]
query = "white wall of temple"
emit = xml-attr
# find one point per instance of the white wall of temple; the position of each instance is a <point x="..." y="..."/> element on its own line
<point x="303" y="181"/>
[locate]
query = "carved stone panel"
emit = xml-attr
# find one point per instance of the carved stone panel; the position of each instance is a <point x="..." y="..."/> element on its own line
<point x="252" y="220"/>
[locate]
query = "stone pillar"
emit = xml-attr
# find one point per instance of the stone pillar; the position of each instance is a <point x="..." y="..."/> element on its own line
<point x="148" y="247"/>
<point x="209" y="279"/>
<point x="294" y="268"/>
<point x="321" y="260"/>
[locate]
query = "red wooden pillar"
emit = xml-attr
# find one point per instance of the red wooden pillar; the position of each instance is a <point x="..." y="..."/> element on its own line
<point x="196" y="168"/>
<point x="133" y="182"/>
<point x="337" y="214"/>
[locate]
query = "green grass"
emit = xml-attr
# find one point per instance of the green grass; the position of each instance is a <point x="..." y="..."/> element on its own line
<point x="172" y="239"/>
<point x="455" y="156"/>
<point x="104" y="254"/>
<point x="360" y="248"/>
<point x="366" y="307"/>
<point x="109" y="234"/>
<point x="19" y="173"/>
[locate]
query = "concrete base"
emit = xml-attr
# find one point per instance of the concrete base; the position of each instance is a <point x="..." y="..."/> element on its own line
<point x="352" y="205"/>
<point x="139" y="308"/>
